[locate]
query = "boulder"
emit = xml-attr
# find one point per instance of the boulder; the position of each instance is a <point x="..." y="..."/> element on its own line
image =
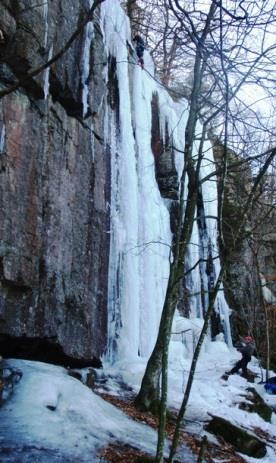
<point x="243" y="441"/>
<point x="256" y="404"/>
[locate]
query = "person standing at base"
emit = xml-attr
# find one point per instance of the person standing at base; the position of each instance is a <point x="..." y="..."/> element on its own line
<point x="246" y="348"/>
<point x="140" y="48"/>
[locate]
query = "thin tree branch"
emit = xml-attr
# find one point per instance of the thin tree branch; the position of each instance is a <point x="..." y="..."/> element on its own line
<point x="57" y="56"/>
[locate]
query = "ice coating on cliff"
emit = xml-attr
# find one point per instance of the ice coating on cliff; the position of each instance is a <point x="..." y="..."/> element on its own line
<point x="140" y="224"/>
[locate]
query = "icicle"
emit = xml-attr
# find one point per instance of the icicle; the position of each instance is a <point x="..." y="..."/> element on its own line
<point x="46" y="75"/>
<point x="92" y="142"/>
<point x="114" y="274"/>
<point x="267" y="293"/>
<point x="85" y="63"/>
<point x="2" y="139"/>
<point x="45" y="17"/>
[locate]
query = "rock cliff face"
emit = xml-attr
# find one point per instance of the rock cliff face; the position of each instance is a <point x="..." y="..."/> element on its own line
<point x="54" y="186"/>
<point x="55" y="192"/>
<point x="165" y="170"/>
<point x="250" y="277"/>
<point x="67" y="137"/>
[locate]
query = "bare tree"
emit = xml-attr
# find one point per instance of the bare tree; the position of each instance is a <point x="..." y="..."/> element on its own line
<point x="218" y="39"/>
<point x="238" y="235"/>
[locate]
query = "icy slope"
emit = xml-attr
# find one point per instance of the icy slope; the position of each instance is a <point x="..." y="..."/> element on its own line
<point x="54" y="416"/>
<point x="210" y="394"/>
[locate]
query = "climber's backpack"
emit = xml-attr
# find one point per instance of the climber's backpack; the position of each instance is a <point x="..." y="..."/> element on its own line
<point x="270" y="385"/>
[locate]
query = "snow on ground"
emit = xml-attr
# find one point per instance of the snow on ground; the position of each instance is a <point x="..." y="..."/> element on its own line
<point x="210" y="395"/>
<point x="56" y="417"/>
<point x="52" y="417"/>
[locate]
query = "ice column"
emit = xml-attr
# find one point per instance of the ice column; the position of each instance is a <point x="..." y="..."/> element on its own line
<point x="85" y="62"/>
<point x="140" y="232"/>
<point x="45" y="43"/>
<point x="210" y="204"/>
<point x="47" y="74"/>
<point x="2" y="138"/>
<point x="123" y="271"/>
<point x="45" y="18"/>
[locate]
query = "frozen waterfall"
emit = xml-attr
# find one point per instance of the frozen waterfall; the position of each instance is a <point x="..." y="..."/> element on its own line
<point x="140" y="234"/>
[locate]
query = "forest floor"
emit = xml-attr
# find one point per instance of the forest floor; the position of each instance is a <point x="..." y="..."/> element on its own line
<point x="54" y="417"/>
<point x="116" y="453"/>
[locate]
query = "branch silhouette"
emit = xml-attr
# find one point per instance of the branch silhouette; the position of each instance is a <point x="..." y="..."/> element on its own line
<point x="57" y="56"/>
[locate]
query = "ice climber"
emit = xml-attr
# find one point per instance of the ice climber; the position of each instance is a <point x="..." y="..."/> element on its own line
<point x="246" y="348"/>
<point x="140" y="48"/>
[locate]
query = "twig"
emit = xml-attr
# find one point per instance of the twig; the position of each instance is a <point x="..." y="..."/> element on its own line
<point x="58" y="55"/>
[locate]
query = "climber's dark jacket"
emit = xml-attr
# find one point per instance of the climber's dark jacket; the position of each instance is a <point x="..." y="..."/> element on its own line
<point x="140" y="46"/>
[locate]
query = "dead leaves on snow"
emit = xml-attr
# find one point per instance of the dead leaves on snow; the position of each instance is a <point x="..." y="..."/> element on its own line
<point x="122" y="453"/>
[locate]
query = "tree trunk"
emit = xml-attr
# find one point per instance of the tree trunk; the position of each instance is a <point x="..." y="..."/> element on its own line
<point x="148" y="396"/>
<point x="202" y="450"/>
<point x="163" y="404"/>
<point x="267" y="343"/>
<point x="193" y="365"/>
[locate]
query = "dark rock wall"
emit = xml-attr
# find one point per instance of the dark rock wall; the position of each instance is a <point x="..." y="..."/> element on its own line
<point x="161" y="145"/>
<point x="55" y="189"/>
<point x="254" y="255"/>
<point x="54" y="184"/>
<point x="241" y="278"/>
